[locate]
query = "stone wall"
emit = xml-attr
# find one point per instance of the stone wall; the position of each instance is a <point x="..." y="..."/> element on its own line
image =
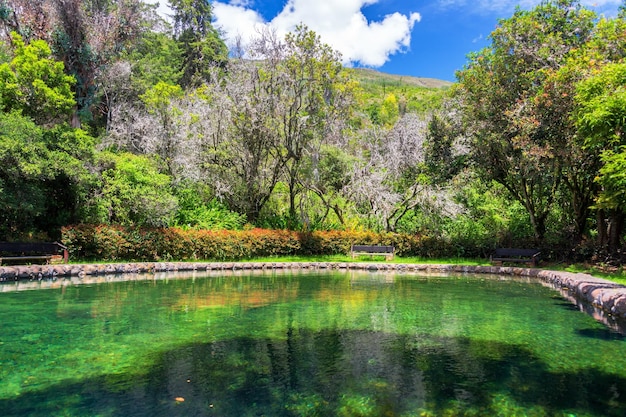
<point x="605" y="295"/>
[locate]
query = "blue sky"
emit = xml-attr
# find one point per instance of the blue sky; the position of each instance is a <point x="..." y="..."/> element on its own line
<point x="420" y="38"/>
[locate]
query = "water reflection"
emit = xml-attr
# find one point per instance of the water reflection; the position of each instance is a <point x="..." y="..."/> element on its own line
<point x="333" y="372"/>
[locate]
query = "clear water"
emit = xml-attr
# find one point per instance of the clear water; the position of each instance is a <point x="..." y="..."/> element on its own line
<point x="306" y="344"/>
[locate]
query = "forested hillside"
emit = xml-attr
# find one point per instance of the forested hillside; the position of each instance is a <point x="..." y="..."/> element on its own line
<point x="112" y="116"/>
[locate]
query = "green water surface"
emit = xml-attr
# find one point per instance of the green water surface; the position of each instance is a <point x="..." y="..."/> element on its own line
<point x="306" y="344"/>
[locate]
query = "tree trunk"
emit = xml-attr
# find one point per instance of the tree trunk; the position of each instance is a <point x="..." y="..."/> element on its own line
<point x="538" y="223"/>
<point x="616" y="226"/>
<point x="292" y="204"/>
<point x="603" y="235"/>
<point x="74" y="119"/>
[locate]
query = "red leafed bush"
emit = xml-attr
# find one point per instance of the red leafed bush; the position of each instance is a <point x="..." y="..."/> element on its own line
<point x="101" y="242"/>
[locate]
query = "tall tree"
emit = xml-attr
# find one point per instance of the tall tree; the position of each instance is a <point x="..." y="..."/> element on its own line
<point x="35" y="84"/>
<point x="42" y="172"/>
<point x="513" y="137"/>
<point x="242" y="156"/>
<point x="388" y="183"/>
<point x="200" y="42"/>
<point x="31" y="19"/>
<point x="314" y="95"/>
<point x="89" y="35"/>
<point x="282" y="106"/>
<point x="601" y="118"/>
<point x="580" y="163"/>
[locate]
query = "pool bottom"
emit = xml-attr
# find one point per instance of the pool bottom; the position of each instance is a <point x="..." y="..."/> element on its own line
<point x="310" y="344"/>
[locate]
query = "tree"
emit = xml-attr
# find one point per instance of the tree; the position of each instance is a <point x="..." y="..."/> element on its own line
<point x="71" y="157"/>
<point x="88" y="36"/>
<point x="156" y="57"/>
<point x="315" y="95"/>
<point x="445" y="150"/>
<point x="42" y="175"/>
<point x="242" y="157"/>
<point x="389" y="182"/>
<point x="515" y="138"/>
<point x="34" y="83"/>
<point x="133" y="192"/>
<point x="329" y="173"/>
<point x="282" y="107"/>
<point x="167" y="123"/>
<point x="612" y="178"/>
<point x="601" y="119"/>
<point x="199" y="41"/>
<point x="23" y="162"/>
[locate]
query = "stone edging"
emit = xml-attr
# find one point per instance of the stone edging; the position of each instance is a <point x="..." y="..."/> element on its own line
<point x="601" y="293"/>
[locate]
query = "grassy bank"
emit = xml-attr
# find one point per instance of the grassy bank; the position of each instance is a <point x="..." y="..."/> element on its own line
<point x="617" y="275"/>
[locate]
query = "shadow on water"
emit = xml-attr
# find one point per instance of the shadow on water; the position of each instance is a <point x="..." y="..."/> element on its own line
<point x="567" y="305"/>
<point x="615" y="326"/>
<point x="335" y="373"/>
<point x="602" y="334"/>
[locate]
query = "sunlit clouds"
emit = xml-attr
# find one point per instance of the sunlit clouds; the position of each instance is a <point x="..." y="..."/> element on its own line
<point x="342" y="25"/>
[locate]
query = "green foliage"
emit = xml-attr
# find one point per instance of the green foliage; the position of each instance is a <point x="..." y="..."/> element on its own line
<point x="34" y="83"/>
<point x="71" y="149"/>
<point x="612" y="178"/>
<point x="200" y="43"/>
<point x="42" y="175"/>
<point x="133" y="192"/>
<point x="490" y="220"/>
<point x="441" y="160"/>
<point x="601" y="115"/>
<point x="71" y="153"/>
<point x="198" y="210"/>
<point x="333" y="168"/>
<point x="157" y="98"/>
<point x="601" y="119"/>
<point x="23" y="167"/>
<point x="156" y="58"/>
<point x="520" y="131"/>
<point x="377" y="91"/>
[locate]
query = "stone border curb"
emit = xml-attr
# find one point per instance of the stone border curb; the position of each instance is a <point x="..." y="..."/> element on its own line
<point x="601" y="293"/>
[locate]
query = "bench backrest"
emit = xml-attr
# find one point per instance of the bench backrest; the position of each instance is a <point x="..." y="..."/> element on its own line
<point x="516" y="252"/>
<point x="372" y="248"/>
<point x="32" y="247"/>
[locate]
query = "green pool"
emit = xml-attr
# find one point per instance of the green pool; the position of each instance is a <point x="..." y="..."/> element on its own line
<point x="305" y="344"/>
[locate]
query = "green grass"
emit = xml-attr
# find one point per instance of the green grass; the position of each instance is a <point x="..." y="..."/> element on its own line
<point x="617" y="275"/>
<point x="373" y="258"/>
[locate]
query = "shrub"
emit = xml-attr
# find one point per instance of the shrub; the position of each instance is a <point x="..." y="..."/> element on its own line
<point x="91" y="242"/>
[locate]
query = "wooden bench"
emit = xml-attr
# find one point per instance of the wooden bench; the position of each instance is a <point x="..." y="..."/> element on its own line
<point x="386" y="251"/>
<point x="516" y="255"/>
<point x="16" y="252"/>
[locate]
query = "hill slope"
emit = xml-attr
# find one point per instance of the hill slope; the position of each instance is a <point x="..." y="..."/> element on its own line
<point x="412" y="94"/>
<point x="369" y="75"/>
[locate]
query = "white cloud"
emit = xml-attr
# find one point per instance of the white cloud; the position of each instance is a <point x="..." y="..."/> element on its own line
<point x="163" y="7"/>
<point x="340" y="24"/>
<point x="236" y="21"/>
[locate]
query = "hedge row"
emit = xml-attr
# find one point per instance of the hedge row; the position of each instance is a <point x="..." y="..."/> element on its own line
<point x="99" y="242"/>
